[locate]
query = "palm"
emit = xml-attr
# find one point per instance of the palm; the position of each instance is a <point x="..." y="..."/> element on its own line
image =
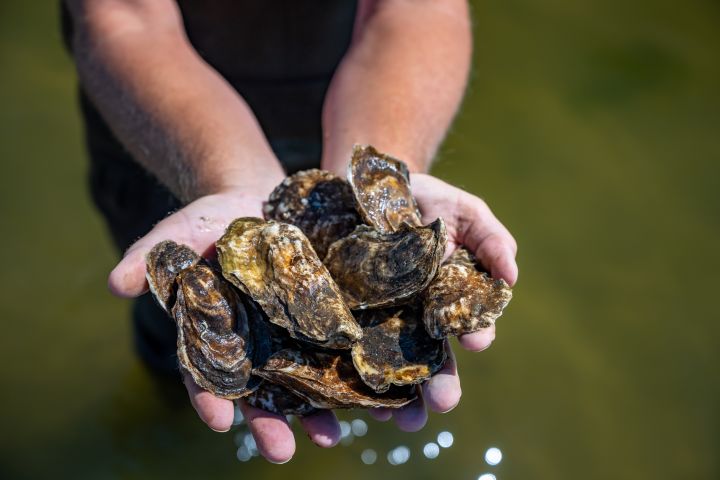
<point x="201" y="223"/>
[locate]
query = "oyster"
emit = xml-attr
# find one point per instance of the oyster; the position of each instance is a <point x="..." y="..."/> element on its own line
<point x="164" y="262"/>
<point x="213" y="332"/>
<point x="329" y="380"/>
<point x="275" y="264"/>
<point x="278" y="399"/>
<point x="318" y="202"/>
<point x="462" y="299"/>
<point x="376" y="269"/>
<point x="381" y="185"/>
<point x="395" y="348"/>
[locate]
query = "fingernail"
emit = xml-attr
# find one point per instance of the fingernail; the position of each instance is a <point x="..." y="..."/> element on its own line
<point x="219" y="431"/>
<point x="278" y="462"/>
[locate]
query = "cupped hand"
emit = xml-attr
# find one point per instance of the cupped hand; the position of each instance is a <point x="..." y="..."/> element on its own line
<point x="199" y="225"/>
<point x="471" y="224"/>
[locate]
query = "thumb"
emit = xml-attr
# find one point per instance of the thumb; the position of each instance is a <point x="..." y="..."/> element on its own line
<point x="127" y="279"/>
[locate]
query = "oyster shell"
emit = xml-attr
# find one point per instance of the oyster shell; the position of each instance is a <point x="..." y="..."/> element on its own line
<point x="164" y="262"/>
<point x="329" y="380"/>
<point x="395" y="348"/>
<point x="381" y="185"/>
<point x="213" y="332"/>
<point x="318" y="202"/>
<point x="278" y="399"/>
<point x="376" y="269"/>
<point x="275" y="264"/>
<point x="462" y="299"/>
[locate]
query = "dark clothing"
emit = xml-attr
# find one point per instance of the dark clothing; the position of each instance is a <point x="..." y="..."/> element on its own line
<point x="280" y="56"/>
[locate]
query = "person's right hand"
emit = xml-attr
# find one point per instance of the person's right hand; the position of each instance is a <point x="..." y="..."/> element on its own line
<point x="199" y="225"/>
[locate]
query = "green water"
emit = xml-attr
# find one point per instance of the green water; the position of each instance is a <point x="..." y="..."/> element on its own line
<point x="591" y="128"/>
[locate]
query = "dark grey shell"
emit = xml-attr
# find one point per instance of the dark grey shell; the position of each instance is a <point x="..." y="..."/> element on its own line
<point x="163" y="264"/>
<point x="395" y="348"/>
<point x="213" y="341"/>
<point x="319" y="203"/>
<point x="376" y="269"/>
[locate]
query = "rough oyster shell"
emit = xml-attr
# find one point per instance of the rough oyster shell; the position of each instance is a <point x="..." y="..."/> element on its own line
<point x="275" y="264"/>
<point x="164" y="262"/>
<point x="376" y="269"/>
<point x="462" y="299"/>
<point x="213" y="332"/>
<point x="329" y="380"/>
<point x="381" y="185"/>
<point x="395" y="348"/>
<point x="318" y="202"/>
<point x="275" y="398"/>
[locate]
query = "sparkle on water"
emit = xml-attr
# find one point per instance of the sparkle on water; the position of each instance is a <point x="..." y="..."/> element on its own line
<point x="243" y="454"/>
<point x="345" y="429"/>
<point x="359" y="427"/>
<point x="493" y="456"/>
<point x="368" y="456"/>
<point x="487" y="476"/>
<point x="445" y="439"/>
<point x="431" y="450"/>
<point x="398" y="455"/>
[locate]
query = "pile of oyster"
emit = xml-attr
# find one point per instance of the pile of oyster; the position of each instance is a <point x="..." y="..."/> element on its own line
<point x="339" y="298"/>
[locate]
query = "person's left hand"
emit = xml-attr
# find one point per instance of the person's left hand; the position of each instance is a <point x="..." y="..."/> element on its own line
<point x="471" y="224"/>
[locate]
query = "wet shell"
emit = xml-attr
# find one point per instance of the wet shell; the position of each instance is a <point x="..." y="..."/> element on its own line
<point x="278" y="399"/>
<point x="164" y="262"/>
<point x="381" y="185"/>
<point x="395" y="348"/>
<point x="329" y="380"/>
<point x="213" y="332"/>
<point x="462" y="299"/>
<point x="318" y="202"/>
<point x="374" y="269"/>
<point x="275" y="264"/>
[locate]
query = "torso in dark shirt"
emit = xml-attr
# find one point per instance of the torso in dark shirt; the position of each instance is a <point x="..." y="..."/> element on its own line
<point x="280" y="55"/>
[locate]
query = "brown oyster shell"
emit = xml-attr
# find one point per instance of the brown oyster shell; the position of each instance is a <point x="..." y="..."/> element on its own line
<point x="318" y="202"/>
<point x="164" y="262"/>
<point x="329" y="380"/>
<point x="462" y="299"/>
<point x="395" y="348"/>
<point x="213" y="332"/>
<point x="381" y="185"/>
<point x="277" y="399"/>
<point x="275" y="264"/>
<point x="374" y="269"/>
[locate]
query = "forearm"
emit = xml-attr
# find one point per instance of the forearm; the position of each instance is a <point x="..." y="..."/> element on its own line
<point x="173" y="112"/>
<point x="401" y="82"/>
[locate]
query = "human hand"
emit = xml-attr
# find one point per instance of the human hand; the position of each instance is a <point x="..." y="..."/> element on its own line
<point x="199" y="225"/>
<point x="469" y="223"/>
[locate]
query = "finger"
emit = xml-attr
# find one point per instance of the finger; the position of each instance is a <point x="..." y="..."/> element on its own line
<point x="478" y="341"/>
<point x="442" y="391"/>
<point x="216" y="412"/>
<point x="380" y="414"/>
<point x="322" y="428"/>
<point x="271" y="432"/>
<point x="487" y="238"/>
<point x="127" y="279"/>
<point x="411" y="417"/>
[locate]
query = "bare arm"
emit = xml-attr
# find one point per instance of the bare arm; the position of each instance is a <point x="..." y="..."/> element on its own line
<point x="401" y="82"/>
<point x="172" y="111"/>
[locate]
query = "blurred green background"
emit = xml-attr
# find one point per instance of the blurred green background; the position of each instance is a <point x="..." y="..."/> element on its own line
<point x="590" y="127"/>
